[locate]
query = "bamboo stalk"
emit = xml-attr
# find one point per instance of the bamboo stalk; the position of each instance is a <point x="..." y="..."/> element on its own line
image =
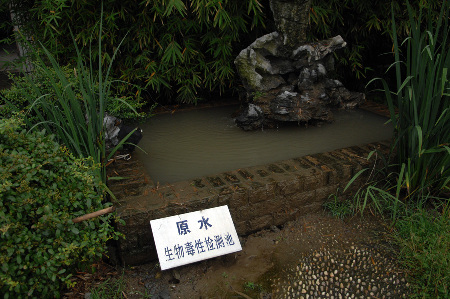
<point x="94" y="214"/>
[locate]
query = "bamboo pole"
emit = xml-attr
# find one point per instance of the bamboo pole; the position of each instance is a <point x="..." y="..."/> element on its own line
<point x="94" y="214"/>
<point x="17" y="22"/>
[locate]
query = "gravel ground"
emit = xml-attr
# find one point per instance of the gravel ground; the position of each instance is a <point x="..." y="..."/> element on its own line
<point x="358" y="272"/>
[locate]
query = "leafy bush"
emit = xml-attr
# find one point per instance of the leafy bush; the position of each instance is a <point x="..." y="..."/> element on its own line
<point x="186" y="48"/>
<point x="43" y="187"/>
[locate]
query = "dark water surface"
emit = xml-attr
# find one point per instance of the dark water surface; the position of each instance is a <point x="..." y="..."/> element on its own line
<point x="190" y="144"/>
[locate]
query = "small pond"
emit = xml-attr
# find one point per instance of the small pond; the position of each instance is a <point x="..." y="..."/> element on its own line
<point x="191" y="144"/>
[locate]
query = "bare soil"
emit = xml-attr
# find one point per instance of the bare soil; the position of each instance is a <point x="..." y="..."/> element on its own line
<point x="268" y="257"/>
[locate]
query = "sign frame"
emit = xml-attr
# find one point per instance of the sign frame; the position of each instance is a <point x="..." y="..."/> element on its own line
<point x="192" y="237"/>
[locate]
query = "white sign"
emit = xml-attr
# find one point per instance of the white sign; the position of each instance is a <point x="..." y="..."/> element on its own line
<point x="196" y="236"/>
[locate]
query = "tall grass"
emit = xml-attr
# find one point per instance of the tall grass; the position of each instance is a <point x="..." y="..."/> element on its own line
<point x="78" y="124"/>
<point x="420" y="112"/>
<point x="422" y="121"/>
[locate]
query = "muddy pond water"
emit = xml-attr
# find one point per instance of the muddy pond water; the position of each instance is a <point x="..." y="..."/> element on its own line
<point x="191" y="144"/>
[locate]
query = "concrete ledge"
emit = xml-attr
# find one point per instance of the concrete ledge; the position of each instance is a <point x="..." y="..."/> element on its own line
<point x="258" y="197"/>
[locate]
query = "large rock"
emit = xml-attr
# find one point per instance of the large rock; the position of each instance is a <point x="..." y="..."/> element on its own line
<point x="286" y="83"/>
<point x="251" y="118"/>
<point x="254" y="65"/>
<point x="286" y="78"/>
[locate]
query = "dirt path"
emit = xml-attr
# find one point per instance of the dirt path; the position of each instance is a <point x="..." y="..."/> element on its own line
<point x="316" y="256"/>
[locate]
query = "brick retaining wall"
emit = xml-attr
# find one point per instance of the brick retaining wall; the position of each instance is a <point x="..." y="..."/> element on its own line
<point x="257" y="197"/>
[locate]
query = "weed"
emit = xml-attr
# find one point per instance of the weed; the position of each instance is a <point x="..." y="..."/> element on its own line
<point x="258" y="94"/>
<point x="251" y="286"/>
<point x="338" y="208"/>
<point x="422" y="99"/>
<point x="111" y="288"/>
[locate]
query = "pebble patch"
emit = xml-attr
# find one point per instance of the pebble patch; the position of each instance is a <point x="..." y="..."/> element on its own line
<point x="358" y="272"/>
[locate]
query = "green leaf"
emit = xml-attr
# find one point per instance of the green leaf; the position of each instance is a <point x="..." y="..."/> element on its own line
<point x="175" y="4"/>
<point x="354" y="178"/>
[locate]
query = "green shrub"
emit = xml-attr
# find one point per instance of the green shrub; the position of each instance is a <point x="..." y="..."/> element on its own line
<point x="43" y="187"/>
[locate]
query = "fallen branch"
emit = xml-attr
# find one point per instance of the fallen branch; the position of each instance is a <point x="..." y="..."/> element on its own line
<point x="240" y="293"/>
<point x="94" y="214"/>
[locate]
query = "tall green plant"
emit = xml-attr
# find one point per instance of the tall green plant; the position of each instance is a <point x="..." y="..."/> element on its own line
<point x="422" y="121"/>
<point x="420" y="113"/>
<point x="78" y="124"/>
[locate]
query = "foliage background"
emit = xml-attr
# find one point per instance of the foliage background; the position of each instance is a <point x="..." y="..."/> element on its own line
<point x="184" y="50"/>
<point x="366" y="27"/>
<point x="180" y="48"/>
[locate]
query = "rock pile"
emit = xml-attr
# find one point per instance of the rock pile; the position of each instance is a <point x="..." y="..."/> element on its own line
<point x="287" y="79"/>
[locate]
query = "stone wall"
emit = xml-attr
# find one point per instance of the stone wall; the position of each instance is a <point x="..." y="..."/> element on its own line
<point x="257" y="197"/>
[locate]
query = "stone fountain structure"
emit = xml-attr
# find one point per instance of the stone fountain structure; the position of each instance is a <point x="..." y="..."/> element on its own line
<point x="286" y="78"/>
